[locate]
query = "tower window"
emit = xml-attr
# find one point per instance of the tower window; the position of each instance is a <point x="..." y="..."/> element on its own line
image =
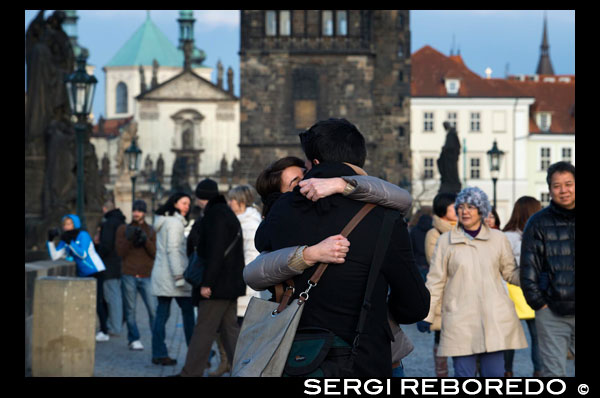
<point x="278" y="22"/>
<point x="334" y="23"/>
<point x="400" y="131"/>
<point x="121" y="98"/>
<point x="400" y="50"/>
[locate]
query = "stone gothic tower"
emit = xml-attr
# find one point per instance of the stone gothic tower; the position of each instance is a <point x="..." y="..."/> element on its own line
<point x="301" y="66"/>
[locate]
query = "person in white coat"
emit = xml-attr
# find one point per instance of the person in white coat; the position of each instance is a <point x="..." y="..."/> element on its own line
<point x="167" y="274"/>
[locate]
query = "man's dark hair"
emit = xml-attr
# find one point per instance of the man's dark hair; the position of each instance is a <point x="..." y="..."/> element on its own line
<point x="334" y="140"/>
<point x="559" y="167"/>
<point x="441" y="203"/>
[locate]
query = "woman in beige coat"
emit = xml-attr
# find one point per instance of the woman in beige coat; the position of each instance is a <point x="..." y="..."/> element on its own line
<point x="478" y="318"/>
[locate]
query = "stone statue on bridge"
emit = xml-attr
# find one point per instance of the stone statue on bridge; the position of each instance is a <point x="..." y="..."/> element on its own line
<point x="448" y="161"/>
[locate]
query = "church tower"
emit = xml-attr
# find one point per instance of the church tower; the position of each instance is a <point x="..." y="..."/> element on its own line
<point x="301" y="66"/>
<point x="544" y="64"/>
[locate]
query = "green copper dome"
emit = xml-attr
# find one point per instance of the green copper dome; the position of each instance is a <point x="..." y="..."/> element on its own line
<point x="145" y="45"/>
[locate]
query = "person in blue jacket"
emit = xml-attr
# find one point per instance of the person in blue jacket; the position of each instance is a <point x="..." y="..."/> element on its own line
<point x="76" y="245"/>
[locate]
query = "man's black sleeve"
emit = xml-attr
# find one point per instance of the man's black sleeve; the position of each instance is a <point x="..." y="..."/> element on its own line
<point x="531" y="263"/>
<point x="409" y="299"/>
<point x="194" y="237"/>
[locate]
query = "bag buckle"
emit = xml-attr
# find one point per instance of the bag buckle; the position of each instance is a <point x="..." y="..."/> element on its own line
<point x="304" y="295"/>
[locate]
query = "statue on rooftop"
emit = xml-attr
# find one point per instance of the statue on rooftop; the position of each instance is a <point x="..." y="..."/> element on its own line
<point x="448" y="161"/>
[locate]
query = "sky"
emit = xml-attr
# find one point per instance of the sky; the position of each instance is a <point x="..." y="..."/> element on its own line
<point x="502" y="40"/>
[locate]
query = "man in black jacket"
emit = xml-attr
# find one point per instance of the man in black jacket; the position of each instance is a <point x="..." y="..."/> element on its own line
<point x="220" y="247"/>
<point x="548" y="270"/>
<point x="106" y="248"/>
<point x="335" y="303"/>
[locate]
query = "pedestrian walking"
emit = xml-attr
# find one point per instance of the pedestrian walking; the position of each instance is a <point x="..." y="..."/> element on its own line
<point x="221" y="249"/>
<point x="548" y="270"/>
<point x="111" y="220"/>
<point x="167" y="281"/>
<point x="295" y="219"/>
<point x="524" y="208"/>
<point x="76" y="244"/>
<point x="466" y="272"/>
<point x="493" y="220"/>
<point x="136" y="245"/>
<point x="444" y="218"/>
<point x="422" y="224"/>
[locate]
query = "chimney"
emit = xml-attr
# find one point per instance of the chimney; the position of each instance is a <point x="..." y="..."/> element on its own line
<point x="488" y="73"/>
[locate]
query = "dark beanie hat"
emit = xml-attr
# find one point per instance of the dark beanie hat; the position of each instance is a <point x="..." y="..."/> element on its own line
<point x="207" y="189"/>
<point x="139" y="205"/>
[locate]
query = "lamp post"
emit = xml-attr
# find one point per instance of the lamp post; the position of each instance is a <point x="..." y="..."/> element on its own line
<point x="80" y="89"/>
<point x="495" y="157"/>
<point x="133" y="154"/>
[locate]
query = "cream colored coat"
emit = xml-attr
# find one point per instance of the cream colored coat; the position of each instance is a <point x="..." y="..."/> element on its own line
<point x="466" y="276"/>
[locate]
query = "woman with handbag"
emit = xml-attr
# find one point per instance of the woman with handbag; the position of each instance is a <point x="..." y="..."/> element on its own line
<point x="167" y="274"/>
<point x="76" y="244"/>
<point x="524" y="208"/>
<point x="479" y="321"/>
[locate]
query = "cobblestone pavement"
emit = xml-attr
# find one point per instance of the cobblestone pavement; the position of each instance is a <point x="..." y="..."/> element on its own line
<point x="114" y="359"/>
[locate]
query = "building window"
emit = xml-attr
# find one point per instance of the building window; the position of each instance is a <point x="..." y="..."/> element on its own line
<point x="400" y="101"/>
<point x="400" y="21"/>
<point x="187" y="137"/>
<point x="545" y="199"/>
<point x="342" y="23"/>
<point x="334" y="24"/>
<point x="545" y="158"/>
<point x="121" y="98"/>
<point x="271" y="23"/>
<point x="285" y="23"/>
<point x="452" y="86"/>
<point x="428" y="168"/>
<point x="400" y="76"/>
<point x="475" y="122"/>
<point x="327" y="23"/>
<point x="400" y="157"/>
<point x="428" y="124"/>
<point x="305" y="96"/>
<point x="544" y="121"/>
<point x="278" y="22"/>
<point x="567" y="155"/>
<point x="400" y="131"/>
<point x="475" y="168"/>
<point x="400" y="50"/>
<point x="452" y="119"/>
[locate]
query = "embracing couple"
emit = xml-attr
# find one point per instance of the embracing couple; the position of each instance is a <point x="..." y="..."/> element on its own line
<point x="303" y="218"/>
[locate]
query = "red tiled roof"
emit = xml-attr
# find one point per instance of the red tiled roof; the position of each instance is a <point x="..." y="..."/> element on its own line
<point x="430" y="68"/>
<point x="109" y="127"/>
<point x="558" y="98"/>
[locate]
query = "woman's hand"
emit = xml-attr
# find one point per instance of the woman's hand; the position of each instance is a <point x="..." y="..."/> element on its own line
<point x="330" y="251"/>
<point x="318" y="188"/>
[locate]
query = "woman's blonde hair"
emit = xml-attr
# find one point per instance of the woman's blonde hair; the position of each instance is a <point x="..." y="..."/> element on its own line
<point x="243" y="194"/>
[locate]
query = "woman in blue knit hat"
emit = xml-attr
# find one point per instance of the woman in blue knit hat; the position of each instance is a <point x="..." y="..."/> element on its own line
<point x="479" y="320"/>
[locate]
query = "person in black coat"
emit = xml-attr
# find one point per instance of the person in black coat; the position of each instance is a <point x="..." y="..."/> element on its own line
<point x="113" y="218"/>
<point x="220" y="247"/>
<point x="336" y="302"/>
<point x="417" y="237"/>
<point x="548" y="270"/>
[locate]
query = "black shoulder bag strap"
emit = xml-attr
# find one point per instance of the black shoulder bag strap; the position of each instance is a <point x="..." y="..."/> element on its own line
<point x="237" y="237"/>
<point x="385" y="234"/>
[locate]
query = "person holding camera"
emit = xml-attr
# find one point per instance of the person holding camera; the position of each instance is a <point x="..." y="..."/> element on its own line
<point x="76" y="245"/>
<point x="136" y="245"/>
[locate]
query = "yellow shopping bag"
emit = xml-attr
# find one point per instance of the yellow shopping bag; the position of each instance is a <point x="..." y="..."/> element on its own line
<point x="524" y="311"/>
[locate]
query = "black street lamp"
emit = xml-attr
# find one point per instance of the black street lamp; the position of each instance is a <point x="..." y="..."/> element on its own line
<point x="495" y="157"/>
<point x="133" y="154"/>
<point x="80" y="89"/>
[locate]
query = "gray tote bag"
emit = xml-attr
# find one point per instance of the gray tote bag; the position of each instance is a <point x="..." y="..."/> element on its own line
<point x="257" y="353"/>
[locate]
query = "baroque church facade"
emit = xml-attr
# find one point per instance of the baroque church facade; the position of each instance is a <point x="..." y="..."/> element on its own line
<point x="186" y="126"/>
<point x="301" y="66"/>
